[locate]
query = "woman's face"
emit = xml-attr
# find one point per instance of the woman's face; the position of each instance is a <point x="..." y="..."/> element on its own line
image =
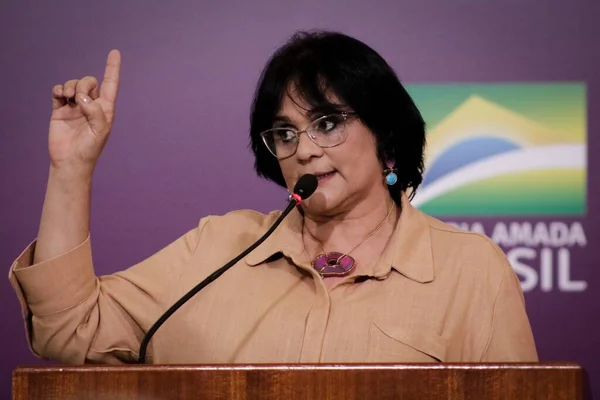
<point x="347" y="173"/>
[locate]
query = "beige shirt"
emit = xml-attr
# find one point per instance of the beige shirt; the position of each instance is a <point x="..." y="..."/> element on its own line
<point x="435" y="294"/>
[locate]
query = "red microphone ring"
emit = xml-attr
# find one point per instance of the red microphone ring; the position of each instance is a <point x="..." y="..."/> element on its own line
<point x="296" y="197"/>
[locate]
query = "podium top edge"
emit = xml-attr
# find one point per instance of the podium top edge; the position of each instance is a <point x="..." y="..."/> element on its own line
<point x="299" y="367"/>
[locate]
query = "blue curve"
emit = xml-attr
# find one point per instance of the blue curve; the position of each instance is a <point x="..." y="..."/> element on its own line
<point x="467" y="152"/>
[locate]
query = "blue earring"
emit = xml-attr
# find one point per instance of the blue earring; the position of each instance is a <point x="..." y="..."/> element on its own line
<point x="390" y="173"/>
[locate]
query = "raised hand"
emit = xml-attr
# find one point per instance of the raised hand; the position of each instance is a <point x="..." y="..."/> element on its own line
<point x="82" y="117"/>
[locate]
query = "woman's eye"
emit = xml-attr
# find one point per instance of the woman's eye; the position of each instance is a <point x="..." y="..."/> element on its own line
<point x="285" y="135"/>
<point x="328" y="124"/>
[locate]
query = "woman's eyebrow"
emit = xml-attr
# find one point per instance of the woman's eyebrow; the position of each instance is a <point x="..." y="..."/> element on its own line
<point x="323" y="110"/>
<point x="282" y="119"/>
<point x="314" y="112"/>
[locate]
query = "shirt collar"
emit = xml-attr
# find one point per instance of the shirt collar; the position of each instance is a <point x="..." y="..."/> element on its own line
<point x="409" y="251"/>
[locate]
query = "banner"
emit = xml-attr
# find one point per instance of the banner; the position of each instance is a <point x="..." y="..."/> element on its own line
<point x="497" y="152"/>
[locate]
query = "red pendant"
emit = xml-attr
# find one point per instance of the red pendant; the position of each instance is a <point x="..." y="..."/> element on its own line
<point x="334" y="264"/>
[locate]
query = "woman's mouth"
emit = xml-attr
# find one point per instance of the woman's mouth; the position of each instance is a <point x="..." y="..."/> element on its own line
<point x="325" y="176"/>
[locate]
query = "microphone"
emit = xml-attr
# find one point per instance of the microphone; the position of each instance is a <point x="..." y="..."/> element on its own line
<point x="304" y="188"/>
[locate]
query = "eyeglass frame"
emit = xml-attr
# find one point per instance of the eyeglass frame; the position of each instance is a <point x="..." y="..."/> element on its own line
<point x="344" y="114"/>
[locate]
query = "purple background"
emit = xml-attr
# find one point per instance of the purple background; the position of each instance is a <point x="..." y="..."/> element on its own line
<point x="179" y="145"/>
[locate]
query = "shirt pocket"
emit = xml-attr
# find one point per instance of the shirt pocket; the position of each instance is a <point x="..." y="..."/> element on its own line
<point x="392" y="343"/>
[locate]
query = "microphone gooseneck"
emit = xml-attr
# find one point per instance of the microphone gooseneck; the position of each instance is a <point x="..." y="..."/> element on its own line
<point x="304" y="188"/>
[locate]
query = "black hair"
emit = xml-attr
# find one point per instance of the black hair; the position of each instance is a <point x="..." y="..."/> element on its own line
<point x="322" y="63"/>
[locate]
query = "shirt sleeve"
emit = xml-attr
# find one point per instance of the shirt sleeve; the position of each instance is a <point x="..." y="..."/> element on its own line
<point x="511" y="338"/>
<point x="73" y="316"/>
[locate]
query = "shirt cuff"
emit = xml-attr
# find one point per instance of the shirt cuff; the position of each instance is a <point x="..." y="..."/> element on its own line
<point x="56" y="284"/>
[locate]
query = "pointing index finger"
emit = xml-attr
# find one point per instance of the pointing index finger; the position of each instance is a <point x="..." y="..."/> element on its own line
<point x="110" y="83"/>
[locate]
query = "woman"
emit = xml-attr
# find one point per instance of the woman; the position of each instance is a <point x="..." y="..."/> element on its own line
<point x="355" y="274"/>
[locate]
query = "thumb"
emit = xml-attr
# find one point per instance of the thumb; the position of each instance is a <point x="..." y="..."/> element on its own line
<point x="93" y="113"/>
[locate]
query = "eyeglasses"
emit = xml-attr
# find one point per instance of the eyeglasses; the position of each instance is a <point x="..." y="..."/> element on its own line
<point x="326" y="131"/>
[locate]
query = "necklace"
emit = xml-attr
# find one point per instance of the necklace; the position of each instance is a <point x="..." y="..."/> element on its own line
<point x="340" y="264"/>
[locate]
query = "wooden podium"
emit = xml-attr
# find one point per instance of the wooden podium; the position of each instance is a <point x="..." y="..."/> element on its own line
<point x="546" y="381"/>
